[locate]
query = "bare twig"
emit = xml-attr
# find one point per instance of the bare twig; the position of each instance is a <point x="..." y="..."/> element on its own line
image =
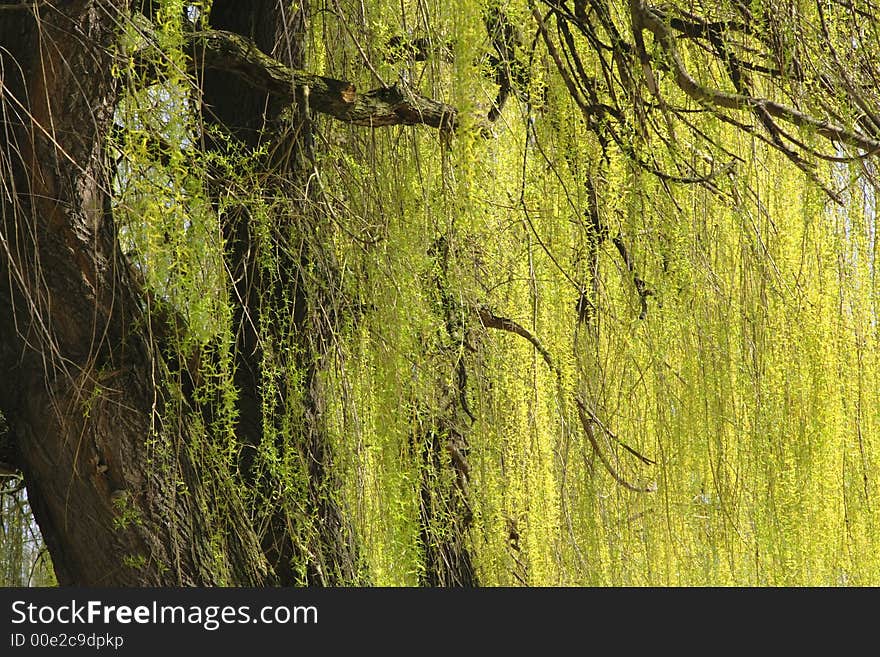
<point x="721" y="99"/>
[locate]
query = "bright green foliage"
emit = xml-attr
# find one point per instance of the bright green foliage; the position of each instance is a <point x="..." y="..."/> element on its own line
<point x="751" y="381"/>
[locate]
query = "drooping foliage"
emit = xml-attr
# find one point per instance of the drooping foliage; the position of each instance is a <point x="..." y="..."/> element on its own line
<point x="510" y="292"/>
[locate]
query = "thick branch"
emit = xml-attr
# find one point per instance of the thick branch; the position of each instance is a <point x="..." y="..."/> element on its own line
<point x="29" y="6"/>
<point x="491" y="320"/>
<point x="395" y="105"/>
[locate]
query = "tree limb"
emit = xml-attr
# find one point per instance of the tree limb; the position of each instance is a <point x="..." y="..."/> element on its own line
<point x="398" y="104"/>
<point x="23" y="6"/>
<point x="587" y="424"/>
<point x="491" y="320"/>
<point x="721" y="99"/>
<point x="642" y="288"/>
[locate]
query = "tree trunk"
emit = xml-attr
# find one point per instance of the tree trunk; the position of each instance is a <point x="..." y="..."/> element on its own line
<point x="117" y="495"/>
<point x="307" y="538"/>
<point x="442" y="444"/>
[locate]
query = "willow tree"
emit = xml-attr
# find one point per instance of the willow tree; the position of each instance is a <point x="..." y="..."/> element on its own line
<point x="442" y="293"/>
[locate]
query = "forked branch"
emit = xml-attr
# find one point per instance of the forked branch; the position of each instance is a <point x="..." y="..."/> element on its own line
<point x="587" y="423"/>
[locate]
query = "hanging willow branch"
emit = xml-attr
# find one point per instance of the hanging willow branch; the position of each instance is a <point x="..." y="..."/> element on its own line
<point x="491" y="320"/>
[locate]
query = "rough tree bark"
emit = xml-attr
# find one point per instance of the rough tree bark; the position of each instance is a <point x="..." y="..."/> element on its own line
<point x="80" y="393"/>
<point x="316" y="547"/>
